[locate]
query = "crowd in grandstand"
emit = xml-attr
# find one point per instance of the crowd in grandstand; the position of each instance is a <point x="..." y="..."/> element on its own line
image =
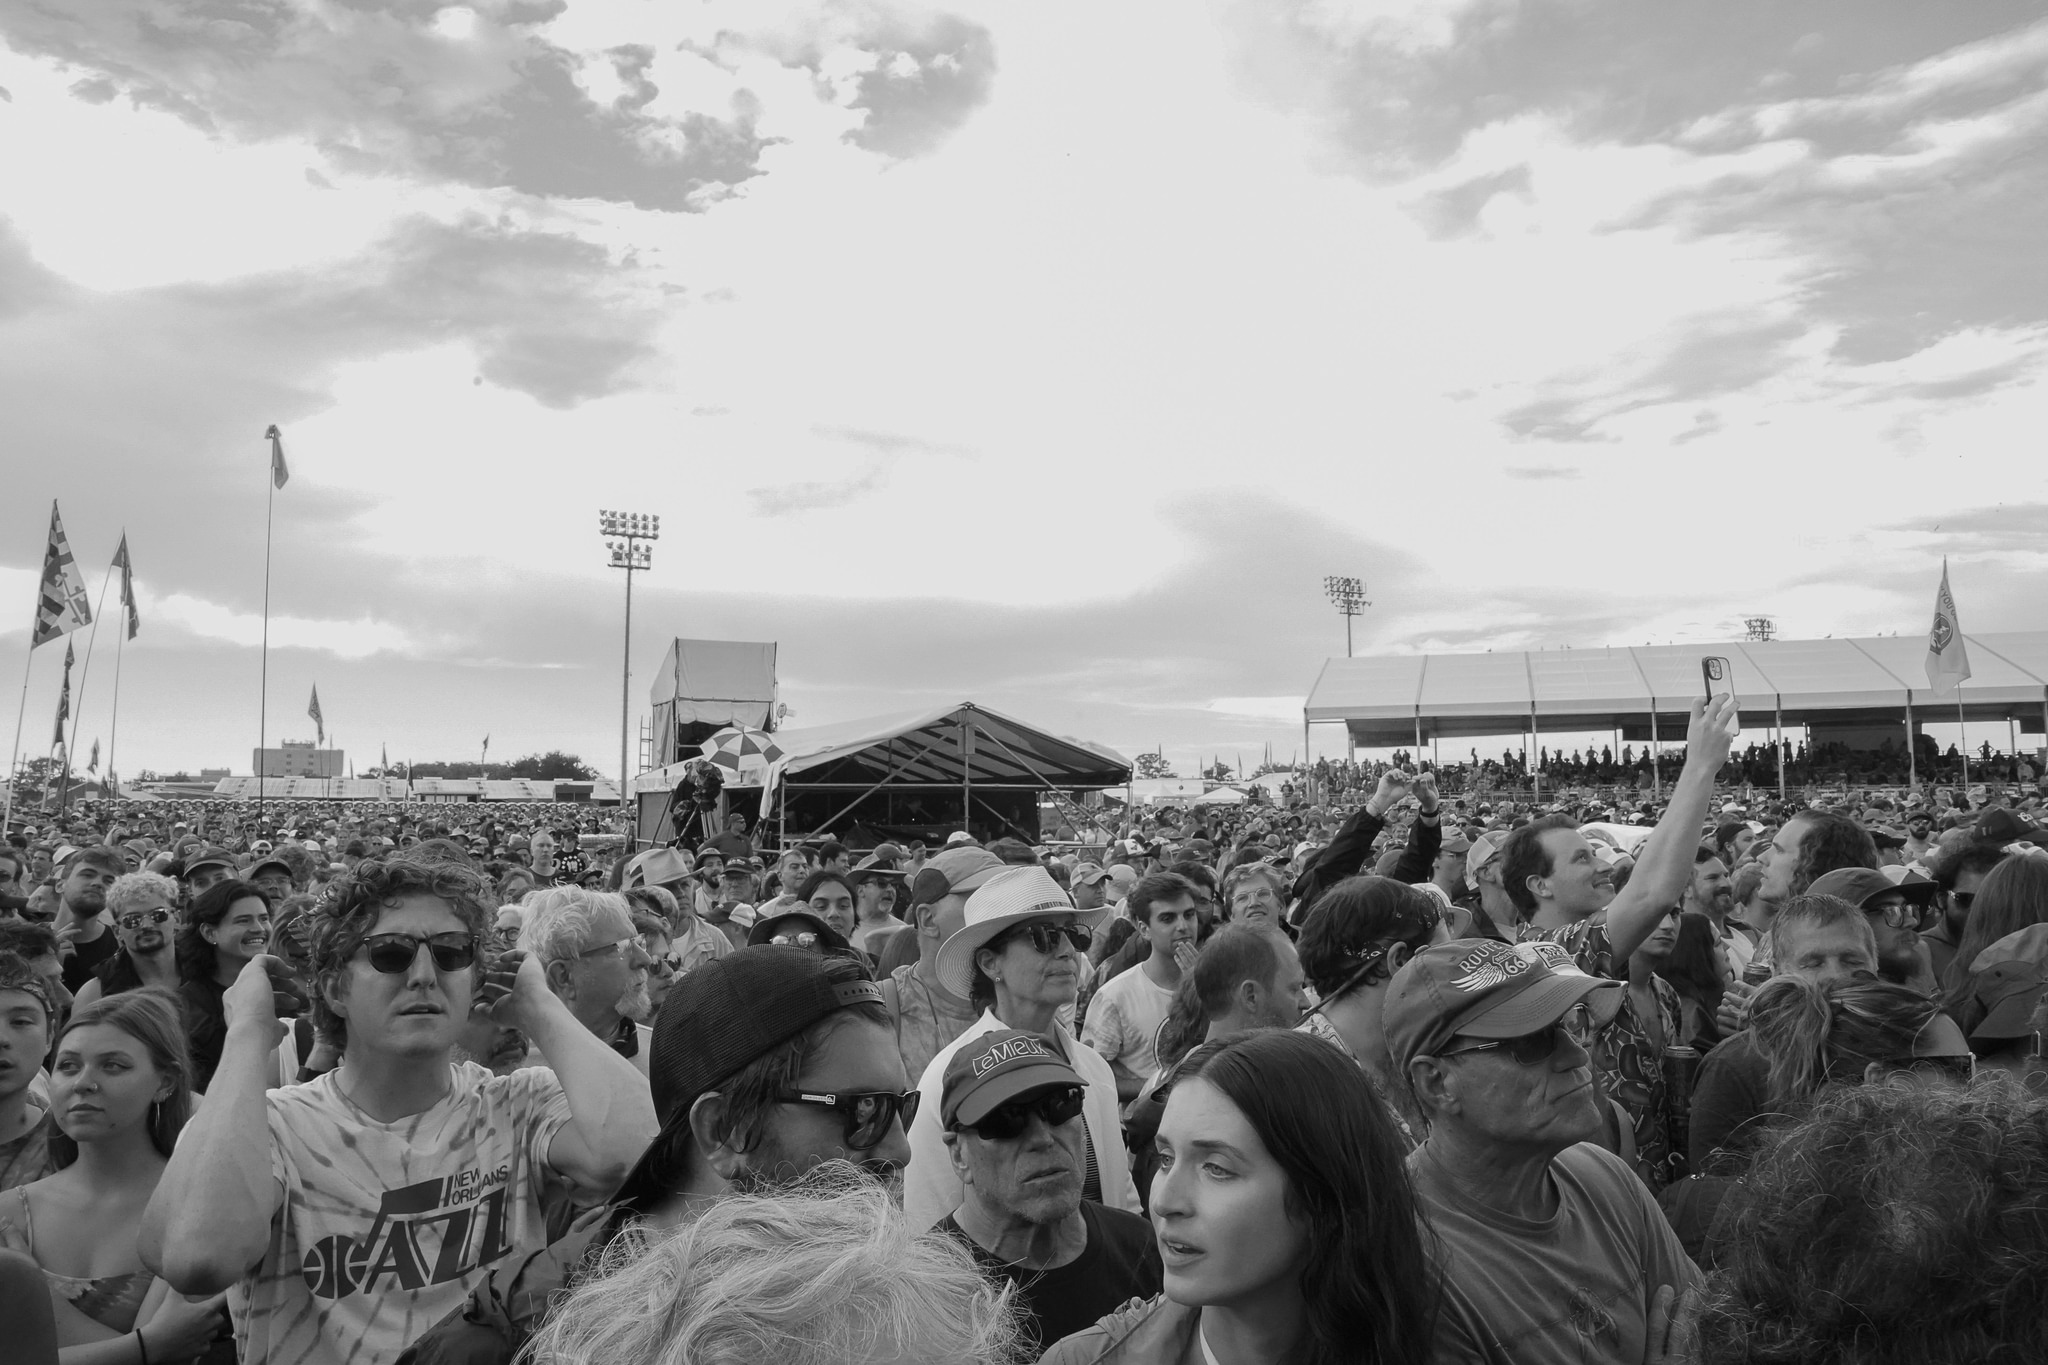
<point x="1383" y="1064"/>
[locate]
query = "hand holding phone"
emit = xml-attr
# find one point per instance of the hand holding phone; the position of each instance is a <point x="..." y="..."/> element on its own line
<point x="1714" y="674"/>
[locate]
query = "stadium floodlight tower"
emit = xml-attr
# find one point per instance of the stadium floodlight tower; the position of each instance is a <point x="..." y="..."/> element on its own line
<point x="1347" y="595"/>
<point x="630" y="537"/>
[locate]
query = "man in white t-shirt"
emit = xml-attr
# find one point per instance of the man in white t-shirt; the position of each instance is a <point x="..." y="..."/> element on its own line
<point x="347" y="1215"/>
<point x="1126" y="1012"/>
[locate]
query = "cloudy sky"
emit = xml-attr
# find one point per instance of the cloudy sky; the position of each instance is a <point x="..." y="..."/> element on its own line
<point x="1041" y="353"/>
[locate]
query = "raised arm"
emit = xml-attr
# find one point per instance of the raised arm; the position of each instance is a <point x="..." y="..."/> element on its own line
<point x="209" y="1220"/>
<point x="611" y="1109"/>
<point x="1348" y="850"/>
<point x="1664" y="865"/>
<point x="1425" y="834"/>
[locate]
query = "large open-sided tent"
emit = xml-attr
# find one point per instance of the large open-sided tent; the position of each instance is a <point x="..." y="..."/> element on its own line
<point x="911" y="776"/>
<point x="1854" y="688"/>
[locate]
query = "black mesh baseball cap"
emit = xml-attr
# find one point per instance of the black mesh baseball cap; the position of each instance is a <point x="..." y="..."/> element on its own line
<point x="723" y="1015"/>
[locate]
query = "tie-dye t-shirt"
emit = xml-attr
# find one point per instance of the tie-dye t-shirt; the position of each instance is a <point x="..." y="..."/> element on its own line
<point x="382" y="1228"/>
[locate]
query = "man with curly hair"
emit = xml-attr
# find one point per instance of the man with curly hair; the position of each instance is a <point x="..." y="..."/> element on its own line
<point x="347" y="1214"/>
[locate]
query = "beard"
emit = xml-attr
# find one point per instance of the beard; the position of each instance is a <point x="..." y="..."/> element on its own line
<point x="633" y="1002"/>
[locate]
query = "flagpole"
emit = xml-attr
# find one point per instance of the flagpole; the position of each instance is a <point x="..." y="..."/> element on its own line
<point x="7" y="813"/>
<point x="263" y="701"/>
<point x="1962" y="737"/>
<point x="84" y="675"/>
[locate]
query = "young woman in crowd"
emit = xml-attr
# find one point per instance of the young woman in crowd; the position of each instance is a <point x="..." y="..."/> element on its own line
<point x="119" y="1092"/>
<point x="655" y="936"/>
<point x="1286" y="1224"/>
<point x="2012" y="896"/>
<point x="222" y="931"/>
<point x="1355" y="937"/>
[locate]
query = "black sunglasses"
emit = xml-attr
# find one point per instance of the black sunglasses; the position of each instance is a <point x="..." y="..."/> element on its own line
<point x="135" y="919"/>
<point x="867" y="1114"/>
<point x="1540" y="1046"/>
<point x="394" y="954"/>
<point x="1045" y="938"/>
<point x="1056" y="1106"/>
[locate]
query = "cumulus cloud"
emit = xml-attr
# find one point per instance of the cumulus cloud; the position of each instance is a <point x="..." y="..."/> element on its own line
<point x="485" y="101"/>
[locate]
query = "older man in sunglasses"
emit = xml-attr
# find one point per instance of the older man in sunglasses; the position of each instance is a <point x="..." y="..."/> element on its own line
<point x="1553" y="1241"/>
<point x="1011" y="1109"/>
<point x="347" y="1214"/>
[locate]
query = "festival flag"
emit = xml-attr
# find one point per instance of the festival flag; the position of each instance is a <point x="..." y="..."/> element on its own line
<point x="1948" y="660"/>
<point x="279" y="475"/>
<point x="61" y="605"/>
<point x="127" y="586"/>
<point x="313" y="710"/>
<point x="384" y="761"/>
<point x="487" y="746"/>
<point x="93" y="764"/>
<point x="63" y="700"/>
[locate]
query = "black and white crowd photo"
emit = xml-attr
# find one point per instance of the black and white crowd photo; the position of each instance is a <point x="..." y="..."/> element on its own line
<point x="981" y="682"/>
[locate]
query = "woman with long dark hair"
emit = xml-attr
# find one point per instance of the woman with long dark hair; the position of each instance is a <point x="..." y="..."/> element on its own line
<point x="1285" y="1223"/>
<point x="119" y="1093"/>
<point x="2012" y="896"/>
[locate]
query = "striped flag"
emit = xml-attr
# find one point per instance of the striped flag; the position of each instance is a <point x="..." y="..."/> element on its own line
<point x="279" y="475"/>
<point x="63" y="700"/>
<point x="127" y="586"/>
<point x="313" y="710"/>
<point x="61" y="605"/>
<point x="1948" y="660"/>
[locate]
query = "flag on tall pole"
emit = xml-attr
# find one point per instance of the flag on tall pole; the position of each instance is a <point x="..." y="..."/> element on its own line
<point x="61" y="606"/>
<point x="93" y="764"/>
<point x="63" y="700"/>
<point x="1948" y="659"/>
<point x="279" y="475"/>
<point x="127" y="586"/>
<point x="313" y="710"/>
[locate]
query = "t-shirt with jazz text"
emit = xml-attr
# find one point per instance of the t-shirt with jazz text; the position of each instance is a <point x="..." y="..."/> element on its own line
<point x="383" y="1228"/>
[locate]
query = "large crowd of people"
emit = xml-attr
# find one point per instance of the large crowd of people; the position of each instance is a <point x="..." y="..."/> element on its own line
<point x="1386" y="1064"/>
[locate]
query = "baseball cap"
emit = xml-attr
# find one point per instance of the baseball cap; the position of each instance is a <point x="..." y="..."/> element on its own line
<point x="1123" y="877"/>
<point x="1858" y="884"/>
<point x="724" y="1014"/>
<point x="991" y="1070"/>
<point x="2008" y="993"/>
<point x="742" y="864"/>
<point x="1456" y="843"/>
<point x="956" y="869"/>
<point x="1482" y="989"/>
<point x="2002" y="826"/>
<point x="874" y="865"/>
<point x="958" y="837"/>
<point x="211" y="856"/>
<point x="1483" y="851"/>
<point x="1087" y="874"/>
<point x="256" y="869"/>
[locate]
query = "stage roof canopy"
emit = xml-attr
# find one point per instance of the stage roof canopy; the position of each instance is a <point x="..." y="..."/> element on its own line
<point x="1390" y="700"/>
<point x="938" y="748"/>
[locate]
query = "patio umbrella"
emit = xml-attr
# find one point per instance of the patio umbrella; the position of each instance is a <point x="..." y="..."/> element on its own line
<point x="743" y="755"/>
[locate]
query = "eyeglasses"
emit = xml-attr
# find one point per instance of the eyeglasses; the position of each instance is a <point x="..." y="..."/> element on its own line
<point x="1045" y="938"/>
<point x="1904" y="915"/>
<point x="616" y="949"/>
<point x="1006" y="1121"/>
<point x="1540" y="1046"/>
<point x="866" y="1113"/>
<point x="394" y="954"/>
<point x="136" y="919"/>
